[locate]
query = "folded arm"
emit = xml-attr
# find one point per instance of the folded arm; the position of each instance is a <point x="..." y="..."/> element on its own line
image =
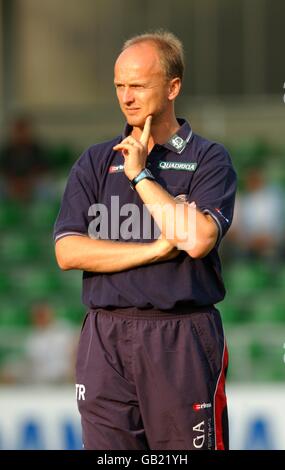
<point x="84" y="253"/>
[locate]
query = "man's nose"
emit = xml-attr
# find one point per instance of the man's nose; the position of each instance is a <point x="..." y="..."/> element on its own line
<point x="128" y="95"/>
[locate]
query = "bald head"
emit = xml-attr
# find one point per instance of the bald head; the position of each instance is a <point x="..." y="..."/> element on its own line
<point x="140" y="58"/>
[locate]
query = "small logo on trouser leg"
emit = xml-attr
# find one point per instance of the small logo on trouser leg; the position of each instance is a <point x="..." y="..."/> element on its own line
<point x="199" y="438"/>
<point x="80" y="391"/>
<point x="201" y="406"/>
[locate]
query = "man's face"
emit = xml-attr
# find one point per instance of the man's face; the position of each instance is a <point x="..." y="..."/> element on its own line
<point x="141" y="85"/>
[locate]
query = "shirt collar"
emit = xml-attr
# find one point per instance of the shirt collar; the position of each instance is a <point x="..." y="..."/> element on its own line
<point x="177" y="141"/>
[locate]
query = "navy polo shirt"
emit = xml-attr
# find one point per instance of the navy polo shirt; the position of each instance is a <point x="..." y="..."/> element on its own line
<point x="188" y="166"/>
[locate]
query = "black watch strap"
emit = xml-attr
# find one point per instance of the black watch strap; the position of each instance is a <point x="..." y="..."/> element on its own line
<point x="145" y="173"/>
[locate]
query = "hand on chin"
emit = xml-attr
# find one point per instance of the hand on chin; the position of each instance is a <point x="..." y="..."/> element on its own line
<point x="136" y="121"/>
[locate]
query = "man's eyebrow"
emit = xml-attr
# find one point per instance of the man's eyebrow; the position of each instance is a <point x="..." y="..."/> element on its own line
<point x="134" y="83"/>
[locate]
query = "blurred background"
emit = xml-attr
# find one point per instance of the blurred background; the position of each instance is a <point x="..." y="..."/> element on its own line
<point x="56" y="99"/>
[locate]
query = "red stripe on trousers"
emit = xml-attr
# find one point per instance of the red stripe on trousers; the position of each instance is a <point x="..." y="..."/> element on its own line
<point x="220" y="401"/>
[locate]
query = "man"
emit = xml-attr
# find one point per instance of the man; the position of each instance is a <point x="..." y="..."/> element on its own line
<point x="23" y="163"/>
<point x="152" y="357"/>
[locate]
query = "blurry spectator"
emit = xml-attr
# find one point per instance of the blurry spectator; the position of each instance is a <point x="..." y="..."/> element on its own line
<point x="22" y="161"/>
<point x="48" y="351"/>
<point x="259" y="222"/>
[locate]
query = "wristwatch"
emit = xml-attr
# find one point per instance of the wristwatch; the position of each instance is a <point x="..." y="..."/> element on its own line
<point x="145" y="173"/>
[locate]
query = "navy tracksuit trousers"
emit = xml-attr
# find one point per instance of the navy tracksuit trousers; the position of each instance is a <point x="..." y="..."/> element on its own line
<point x="152" y="380"/>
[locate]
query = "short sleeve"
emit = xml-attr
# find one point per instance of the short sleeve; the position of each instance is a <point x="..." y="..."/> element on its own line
<point x="213" y="187"/>
<point x="80" y="193"/>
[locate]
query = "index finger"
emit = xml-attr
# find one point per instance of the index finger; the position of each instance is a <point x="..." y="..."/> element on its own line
<point x="146" y="131"/>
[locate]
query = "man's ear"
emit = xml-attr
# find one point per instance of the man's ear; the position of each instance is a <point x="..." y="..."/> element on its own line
<point x="174" y="88"/>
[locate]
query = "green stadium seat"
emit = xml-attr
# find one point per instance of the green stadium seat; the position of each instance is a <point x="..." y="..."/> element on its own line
<point x="256" y="350"/>
<point x="73" y="312"/>
<point x="249" y="152"/>
<point x="37" y="283"/>
<point x="71" y="283"/>
<point x="48" y="258"/>
<point x="61" y="156"/>
<point x="11" y="215"/>
<point x="268" y="307"/>
<point x="230" y="311"/>
<point x="280" y="278"/>
<point x="5" y="283"/>
<point x="245" y="278"/>
<point x="266" y="361"/>
<point x="14" y="313"/>
<point x="41" y="216"/>
<point x="18" y="247"/>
